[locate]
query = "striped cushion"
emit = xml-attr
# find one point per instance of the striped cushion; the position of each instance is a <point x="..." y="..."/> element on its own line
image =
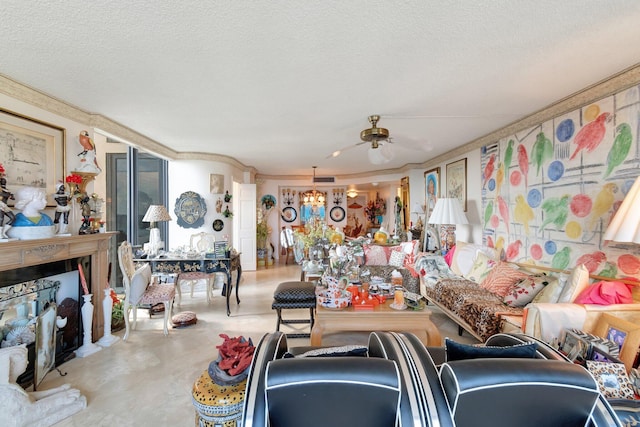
<point x="501" y="278"/>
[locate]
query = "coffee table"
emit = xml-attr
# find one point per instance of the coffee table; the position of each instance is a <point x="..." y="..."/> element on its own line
<point x="381" y="318"/>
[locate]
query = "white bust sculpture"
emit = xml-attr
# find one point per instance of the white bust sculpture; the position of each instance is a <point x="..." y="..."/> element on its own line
<point x="31" y="223"/>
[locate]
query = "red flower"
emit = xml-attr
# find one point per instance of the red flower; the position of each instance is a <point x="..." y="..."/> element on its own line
<point x="73" y="179"/>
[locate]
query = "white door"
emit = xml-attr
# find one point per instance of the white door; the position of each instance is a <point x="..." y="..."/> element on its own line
<point x="244" y="237"/>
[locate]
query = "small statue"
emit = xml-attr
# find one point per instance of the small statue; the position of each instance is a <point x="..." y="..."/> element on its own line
<point x="85" y="209"/>
<point x="5" y="211"/>
<point x="88" y="162"/>
<point x="31" y="223"/>
<point x="62" y="199"/>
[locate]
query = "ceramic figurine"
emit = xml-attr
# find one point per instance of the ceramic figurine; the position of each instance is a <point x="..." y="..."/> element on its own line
<point x="62" y="199"/>
<point x="85" y="208"/>
<point x="6" y="214"/>
<point x="31" y="223"/>
<point x="88" y="162"/>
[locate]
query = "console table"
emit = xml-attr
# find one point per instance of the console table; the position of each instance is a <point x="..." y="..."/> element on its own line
<point x="201" y="265"/>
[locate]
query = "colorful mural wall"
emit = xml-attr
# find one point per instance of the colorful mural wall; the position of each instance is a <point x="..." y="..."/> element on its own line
<point x="549" y="192"/>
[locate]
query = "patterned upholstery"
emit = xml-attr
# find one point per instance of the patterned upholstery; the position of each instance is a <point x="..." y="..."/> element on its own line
<point x="152" y="294"/>
<point x="291" y="295"/>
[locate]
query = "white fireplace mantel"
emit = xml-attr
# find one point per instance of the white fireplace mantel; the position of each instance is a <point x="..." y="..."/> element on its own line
<point x="28" y="253"/>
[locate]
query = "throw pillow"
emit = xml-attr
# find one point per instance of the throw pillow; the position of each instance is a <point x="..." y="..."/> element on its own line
<point x="525" y="290"/>
<point x="480" y="268"/>
<point x="397" y="259"/>
<point x="433" y="266"/>
<point x="627" y="410"/>
<point x="457" y="351"/>
<point x="465" y="255"/>
<point x="449" y="256"/>
<point x="605" y="293"/>
<point x="550" y="293"/>
<point x="139" y="282"/>
<point x="577" y="283"/>
<point x="501" y="278"/>
<point x="374" y="255"/>
<point x="612" y="379"/>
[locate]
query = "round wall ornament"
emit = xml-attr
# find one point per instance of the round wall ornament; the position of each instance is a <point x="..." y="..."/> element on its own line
<point x="190" y="210"/>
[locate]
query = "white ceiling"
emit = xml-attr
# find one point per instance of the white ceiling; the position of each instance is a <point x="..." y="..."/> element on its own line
<point x="280" y="85"/>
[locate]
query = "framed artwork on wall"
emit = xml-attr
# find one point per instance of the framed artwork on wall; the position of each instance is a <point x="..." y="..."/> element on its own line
<point x="623" y="332"/>
<point x="432" y="191"/>
<point x="216" y="183"/>
<point x="457" y="181"/>
<point x="32" y="153"/>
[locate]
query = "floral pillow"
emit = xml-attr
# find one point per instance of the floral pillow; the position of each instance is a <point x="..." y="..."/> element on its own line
<point x="375" y="255"/>
<point x="524" y="291"/>
<point x="480" y="268"/>
<point x="501" y="278"/>
<point x="397" y="258"/>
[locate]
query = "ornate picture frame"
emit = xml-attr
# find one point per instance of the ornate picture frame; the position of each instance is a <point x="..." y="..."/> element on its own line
<point x="32" y="153"/>
<point x="431" y="191"/>
<point x="457" y="181"/>
<point x="45" y="343"/>
<point x="623" y="332"/>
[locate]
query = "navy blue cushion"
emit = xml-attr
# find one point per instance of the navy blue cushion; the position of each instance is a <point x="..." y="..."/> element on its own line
<point x="457" y="351"/>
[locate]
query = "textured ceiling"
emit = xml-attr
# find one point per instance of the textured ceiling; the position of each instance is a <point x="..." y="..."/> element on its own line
<point x="280" y="85"/>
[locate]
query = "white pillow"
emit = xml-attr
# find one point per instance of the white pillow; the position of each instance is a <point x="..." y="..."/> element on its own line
<point x="465" y="256"/>
<point x="139" y="282"/>
<point x="577" y="282"/>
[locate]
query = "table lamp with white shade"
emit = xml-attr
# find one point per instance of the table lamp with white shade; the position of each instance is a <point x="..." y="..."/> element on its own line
<point x="155" y="214"/>
<point x="447" y="213"/>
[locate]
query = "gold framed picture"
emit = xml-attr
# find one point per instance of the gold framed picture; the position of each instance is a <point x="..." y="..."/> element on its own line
<point x="623" y="332"/>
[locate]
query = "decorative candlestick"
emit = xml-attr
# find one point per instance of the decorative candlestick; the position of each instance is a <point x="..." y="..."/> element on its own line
<point x="88" y="347"/>
<point x="107" y="306"/>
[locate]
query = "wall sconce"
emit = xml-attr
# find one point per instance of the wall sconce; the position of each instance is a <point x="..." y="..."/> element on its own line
<point x="288" y="195"/>
<point x="338" y="195"/>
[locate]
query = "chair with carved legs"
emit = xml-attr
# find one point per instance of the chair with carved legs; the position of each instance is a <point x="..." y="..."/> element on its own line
<point x="140" y="291"/>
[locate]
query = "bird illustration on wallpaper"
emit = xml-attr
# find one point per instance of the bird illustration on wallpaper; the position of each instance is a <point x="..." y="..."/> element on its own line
<point x="508" y="155"/>
<point x="513" y="250"/>
<point x="602" y="204"/>
<point x="523" y="213"/>
<point x="488" y="170"/>
<point x="504" y="211"/>
<point x="591" y="135"/>
<point x="523" y="162"/>
<point x="620" y="148"/>
<point x="542" y="151"/>
<point x="499" y="177"/>
<point x="561" y="258"/>
<point x="555" y="211"/>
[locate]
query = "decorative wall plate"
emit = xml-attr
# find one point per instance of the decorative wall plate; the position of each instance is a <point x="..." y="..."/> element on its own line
<point x="190" y="210"/>
<point x="218" y="225"/>
<point x="268" y="201"/>
<point x="337" y="213"/>
<point x="289" y="214"/>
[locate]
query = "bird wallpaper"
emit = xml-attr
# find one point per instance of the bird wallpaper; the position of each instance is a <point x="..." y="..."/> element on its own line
<point x="549" y="191"/>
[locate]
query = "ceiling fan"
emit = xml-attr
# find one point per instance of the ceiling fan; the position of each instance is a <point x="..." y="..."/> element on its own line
<point x="380" y="150"/>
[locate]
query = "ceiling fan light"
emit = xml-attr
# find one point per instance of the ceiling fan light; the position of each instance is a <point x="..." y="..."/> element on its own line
<point x="387" y="151"/>
<point x="376" y="156"/>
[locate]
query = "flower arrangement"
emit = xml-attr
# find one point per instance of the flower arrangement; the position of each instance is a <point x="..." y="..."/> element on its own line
<point x="314" y="233"/>
<point x="74" y="180"/>
<point x="117" y="312"/>
<point x="375" y="208"/>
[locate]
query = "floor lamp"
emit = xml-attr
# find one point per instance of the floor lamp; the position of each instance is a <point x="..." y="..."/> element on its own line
<point x="447" y="213"/>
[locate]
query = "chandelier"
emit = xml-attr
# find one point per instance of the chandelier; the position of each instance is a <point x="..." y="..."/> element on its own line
<point x="313" y="198"/>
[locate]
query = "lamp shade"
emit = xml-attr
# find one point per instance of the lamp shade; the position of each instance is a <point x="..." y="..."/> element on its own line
<point x="448" y="211"/>
<point x="625" y="225"/>
<point x="381" y="155"/>
<point x="156" y="213"/>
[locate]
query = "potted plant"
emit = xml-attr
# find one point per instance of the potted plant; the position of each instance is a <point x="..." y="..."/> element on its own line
<point x="262" y="231"/>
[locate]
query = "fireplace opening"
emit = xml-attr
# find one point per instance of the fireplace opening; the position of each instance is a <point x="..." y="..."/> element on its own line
<point x="26" y="293"/>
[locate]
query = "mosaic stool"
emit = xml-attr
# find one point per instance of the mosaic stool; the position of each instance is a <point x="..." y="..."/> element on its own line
<point x="292" y="295"/>
<point x="218" y="405"/>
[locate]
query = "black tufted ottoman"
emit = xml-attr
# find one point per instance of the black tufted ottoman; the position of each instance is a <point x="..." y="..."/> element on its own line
<point x="289" y="295"/>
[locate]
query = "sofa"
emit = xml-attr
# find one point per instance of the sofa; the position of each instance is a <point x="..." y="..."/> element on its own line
<point x="397" y="381"/>
<point x="518" y="297"/>
<point x="383" y="260"/>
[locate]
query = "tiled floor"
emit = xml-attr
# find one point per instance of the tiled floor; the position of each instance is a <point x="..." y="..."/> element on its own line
<point x="148" y="380"/>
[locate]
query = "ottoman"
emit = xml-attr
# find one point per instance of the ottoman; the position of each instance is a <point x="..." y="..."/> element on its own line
<point x="294" y="295"/>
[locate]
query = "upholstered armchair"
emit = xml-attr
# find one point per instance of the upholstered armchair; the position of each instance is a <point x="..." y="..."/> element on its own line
<point x="139" y="291"/>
